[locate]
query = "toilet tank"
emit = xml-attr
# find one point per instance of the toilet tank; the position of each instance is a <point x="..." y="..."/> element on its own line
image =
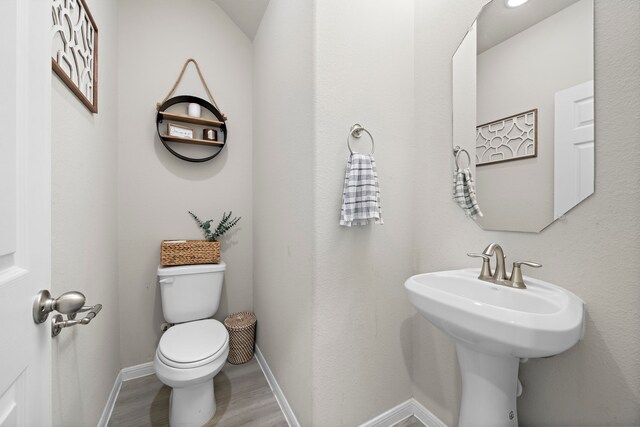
<point x="190" y="292"/>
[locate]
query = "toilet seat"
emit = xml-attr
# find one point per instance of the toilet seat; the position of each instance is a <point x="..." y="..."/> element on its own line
<point x="193" y="344"/>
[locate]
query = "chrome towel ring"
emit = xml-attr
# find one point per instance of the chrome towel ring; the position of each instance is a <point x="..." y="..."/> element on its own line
<point x="356" y="131"/>
<point x="457" y="151"/>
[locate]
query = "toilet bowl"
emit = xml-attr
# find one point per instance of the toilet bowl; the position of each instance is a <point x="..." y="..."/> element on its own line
<point x="194" y="350"/>
<point x="188" y="357"/>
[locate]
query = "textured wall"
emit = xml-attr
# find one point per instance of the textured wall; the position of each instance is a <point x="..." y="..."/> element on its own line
<point x="84" y="155"/>
<point x="594" y="252"/>
<point x="283" y="161"/>
<point x="361" y="318"/>
<point x="156" y="189"/>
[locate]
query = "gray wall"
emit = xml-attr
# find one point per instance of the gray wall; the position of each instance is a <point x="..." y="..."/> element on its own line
<point x="594" y="252"/>
<point x="283" y="161"/>
<point x="361" y="318"/>
<point x="83" y="236"/>
<point x="354" y="360"/>
<point x="156" y="189"/>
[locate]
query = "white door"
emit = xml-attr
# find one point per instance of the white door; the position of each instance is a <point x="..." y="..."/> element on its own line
<point x="574" y="147"/>
<point x="25" y="238"/>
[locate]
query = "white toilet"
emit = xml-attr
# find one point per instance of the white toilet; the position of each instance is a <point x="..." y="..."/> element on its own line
<point x="194" y="350"/>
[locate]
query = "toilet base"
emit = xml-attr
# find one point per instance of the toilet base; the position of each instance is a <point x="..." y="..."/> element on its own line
<point x="192" y="406"/>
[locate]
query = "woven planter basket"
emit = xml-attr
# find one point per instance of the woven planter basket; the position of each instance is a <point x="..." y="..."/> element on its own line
<point x="242" y="336"/>
<point x="188" y="252"/>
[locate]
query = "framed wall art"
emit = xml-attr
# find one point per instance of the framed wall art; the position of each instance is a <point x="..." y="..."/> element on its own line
<point x="74" y="49"/>
<point x="511" y="138"/>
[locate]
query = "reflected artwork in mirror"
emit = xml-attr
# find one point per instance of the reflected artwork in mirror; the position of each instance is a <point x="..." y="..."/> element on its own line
<point x="523" y="102"/>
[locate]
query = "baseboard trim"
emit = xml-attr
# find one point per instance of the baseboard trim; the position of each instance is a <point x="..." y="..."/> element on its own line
<point x="125" y="374"/>
<point x="137" y="371"/>
<point x="392" y="417"/>
<point x="425" y="416"/>
<point x="111" y="401"/>
<point x="403" y="411"/>
<point x="289" y="415"/>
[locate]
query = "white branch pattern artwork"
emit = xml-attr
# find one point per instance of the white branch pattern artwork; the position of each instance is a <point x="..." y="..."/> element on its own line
<point x="74" y="51"/>
<point x="511" y="138"/>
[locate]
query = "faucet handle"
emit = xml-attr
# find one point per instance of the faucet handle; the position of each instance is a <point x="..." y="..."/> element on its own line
<point x="475" y="255"/>
<point x="529" y="263"/>
<point x="485" y="272"/>
<point x="517" y="281"/>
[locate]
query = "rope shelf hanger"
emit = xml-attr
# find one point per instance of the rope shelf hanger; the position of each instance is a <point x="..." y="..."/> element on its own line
<point x="204" y="83"/>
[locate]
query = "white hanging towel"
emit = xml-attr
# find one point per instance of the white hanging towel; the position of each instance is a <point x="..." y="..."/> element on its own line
<point x="361" y="194"/>
<point x="464" y="193"/>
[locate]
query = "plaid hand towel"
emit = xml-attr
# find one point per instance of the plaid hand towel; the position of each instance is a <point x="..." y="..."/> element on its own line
<point x="361" y="195"/>
<point x="464" y="193"/>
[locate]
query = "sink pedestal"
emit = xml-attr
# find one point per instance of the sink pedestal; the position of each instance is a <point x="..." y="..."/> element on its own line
<point x="489" y="388"/>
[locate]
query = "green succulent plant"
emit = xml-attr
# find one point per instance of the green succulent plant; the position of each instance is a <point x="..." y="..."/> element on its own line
<point x="225" y="224"/>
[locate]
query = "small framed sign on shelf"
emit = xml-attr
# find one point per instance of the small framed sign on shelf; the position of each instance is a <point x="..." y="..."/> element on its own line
<point x="179" y="131"/>
<point x="209" y="134"/>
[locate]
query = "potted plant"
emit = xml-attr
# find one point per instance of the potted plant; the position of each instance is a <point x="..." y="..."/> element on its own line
<point x="185" y="252"/>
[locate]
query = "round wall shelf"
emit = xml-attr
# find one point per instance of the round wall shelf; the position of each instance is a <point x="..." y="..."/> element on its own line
<point x="164" y="115"/>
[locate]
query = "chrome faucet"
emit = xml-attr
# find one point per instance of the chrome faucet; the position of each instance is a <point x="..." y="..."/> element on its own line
<point x="499" y="276"/>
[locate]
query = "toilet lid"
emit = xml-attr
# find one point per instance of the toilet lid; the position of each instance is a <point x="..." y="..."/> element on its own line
<point x="191" y="342"/>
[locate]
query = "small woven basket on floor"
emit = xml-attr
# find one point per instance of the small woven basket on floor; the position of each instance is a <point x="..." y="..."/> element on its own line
<point x="242" y="336"/>
<point x="188" y="252"/>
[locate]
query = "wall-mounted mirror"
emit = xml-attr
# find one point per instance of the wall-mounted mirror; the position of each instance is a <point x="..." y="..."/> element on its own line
<point x="523" y="105"/>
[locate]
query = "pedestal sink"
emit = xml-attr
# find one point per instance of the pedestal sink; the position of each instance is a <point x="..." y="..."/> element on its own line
<point x="494" y="327"/>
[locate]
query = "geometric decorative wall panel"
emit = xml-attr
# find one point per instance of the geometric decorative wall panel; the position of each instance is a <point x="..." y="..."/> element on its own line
<point x="511" y="138"/>
<point x="74" y="49"/>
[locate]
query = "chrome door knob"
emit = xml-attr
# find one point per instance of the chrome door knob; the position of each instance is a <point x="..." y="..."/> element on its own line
<point x="67" y="303"/>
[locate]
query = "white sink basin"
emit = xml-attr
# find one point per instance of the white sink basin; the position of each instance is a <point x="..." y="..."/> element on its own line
<point x="542" y="320"/>
<point x="493" y="327"/>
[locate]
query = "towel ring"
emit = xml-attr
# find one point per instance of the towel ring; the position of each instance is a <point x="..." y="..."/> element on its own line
<point x="457" y="150"/>
<point x="356" y="132"/>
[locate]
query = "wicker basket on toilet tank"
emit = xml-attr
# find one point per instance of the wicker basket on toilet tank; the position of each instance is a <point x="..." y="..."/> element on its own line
<point x="242" y="336"/>
<point x="188" y="252"/>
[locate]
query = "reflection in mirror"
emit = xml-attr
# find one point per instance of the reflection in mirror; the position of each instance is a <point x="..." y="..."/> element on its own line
<point x="529" y="72"/>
